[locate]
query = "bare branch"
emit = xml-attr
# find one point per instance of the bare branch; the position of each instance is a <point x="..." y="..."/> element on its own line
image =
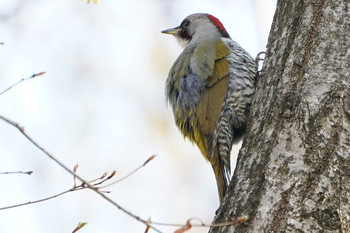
<point x="23" y="79"/>
<point x="184" y="227"/>
<point x="80" y="225"/>
<point x="148" y="226"/>
<point x="131" y="173"/>
<point x="37" y="201"/>
<point x="17" y="172"/>
<point x="84" y="182"/>
<point x="103" y="178"/>
<point x="75" y="188"/>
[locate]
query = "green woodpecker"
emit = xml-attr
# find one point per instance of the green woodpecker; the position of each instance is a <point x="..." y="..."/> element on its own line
<point x="210" y="88"/>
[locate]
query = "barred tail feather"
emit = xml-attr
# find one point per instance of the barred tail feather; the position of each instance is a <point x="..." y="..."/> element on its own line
<point x="222" y="176"/>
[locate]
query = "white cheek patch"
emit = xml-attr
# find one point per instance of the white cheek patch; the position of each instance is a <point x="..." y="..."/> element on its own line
<point x="183" y="43"/>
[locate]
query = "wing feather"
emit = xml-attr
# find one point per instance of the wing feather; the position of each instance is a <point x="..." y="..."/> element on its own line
<point x="209" y="107"/>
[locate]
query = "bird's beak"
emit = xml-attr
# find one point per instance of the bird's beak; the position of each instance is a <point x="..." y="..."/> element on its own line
<point x="172" y="31"/>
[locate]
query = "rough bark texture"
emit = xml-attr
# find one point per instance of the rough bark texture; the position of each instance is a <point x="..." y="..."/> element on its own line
<point x="293" y="171"/>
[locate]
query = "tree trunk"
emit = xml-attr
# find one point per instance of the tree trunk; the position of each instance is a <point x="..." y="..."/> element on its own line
<point x="293" y="171"/>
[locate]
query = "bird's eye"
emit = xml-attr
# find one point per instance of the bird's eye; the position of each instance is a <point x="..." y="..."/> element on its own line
<point x="185" y="23"/>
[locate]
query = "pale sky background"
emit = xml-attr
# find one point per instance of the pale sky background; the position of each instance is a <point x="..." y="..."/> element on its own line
<point x="101" y="104"/>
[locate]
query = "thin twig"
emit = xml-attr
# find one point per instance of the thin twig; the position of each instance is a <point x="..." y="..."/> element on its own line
<point x="189" y="224"/>
<point x="23" y="79"/>
<point x="131" y="173"/>
<point x="103" y="179"/>
<point x="37" y="201"/>
<point x="75" y="188"/>
<point x="18" y="172"/>
<point x="80" y="225"/>
<point x="21" y="129"/>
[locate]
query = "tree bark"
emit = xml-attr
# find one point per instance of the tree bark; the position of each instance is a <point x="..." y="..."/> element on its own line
<point x="293" y="171"/>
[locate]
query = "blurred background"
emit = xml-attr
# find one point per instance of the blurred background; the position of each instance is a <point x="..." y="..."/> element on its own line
<point x="101" y="105"/>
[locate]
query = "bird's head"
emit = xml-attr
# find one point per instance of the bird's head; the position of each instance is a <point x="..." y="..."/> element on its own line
<point x="196" y="28"/>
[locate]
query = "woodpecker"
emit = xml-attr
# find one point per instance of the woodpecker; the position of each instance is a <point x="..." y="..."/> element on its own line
<point x="210" y="88"/>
